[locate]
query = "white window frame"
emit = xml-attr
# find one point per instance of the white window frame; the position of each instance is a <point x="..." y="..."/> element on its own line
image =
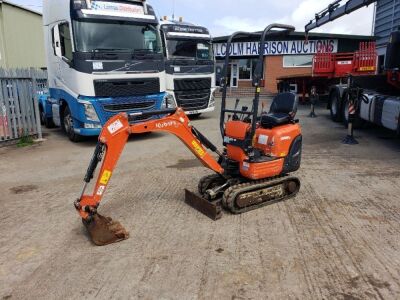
<point x="67" y="60"/>
<point x="290" y="67"/>
<point x="252" y="68"/>
<point x="251" y="71"/>
<point x="56" y="40"/>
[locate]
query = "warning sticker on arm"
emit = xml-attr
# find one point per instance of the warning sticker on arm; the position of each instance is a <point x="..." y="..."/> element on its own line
<point x="198" y="149"/>
<point x="105" y="178"/>
<point x="114" y="127"/>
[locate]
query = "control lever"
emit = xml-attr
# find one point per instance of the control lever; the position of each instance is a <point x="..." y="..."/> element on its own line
<point x="263" y="105"/>
<point x="247" y="119"/>
<point x="244" y="109"/>
<point x="235" y="117"/>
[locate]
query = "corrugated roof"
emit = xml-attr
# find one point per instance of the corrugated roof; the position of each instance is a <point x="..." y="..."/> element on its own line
<point x="387" y="20"/>
<point x="20" y="6"/>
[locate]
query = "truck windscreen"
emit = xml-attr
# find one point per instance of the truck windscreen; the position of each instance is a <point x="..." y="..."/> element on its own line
<point x="116" y="37"/>
<point x="189" y="49"/>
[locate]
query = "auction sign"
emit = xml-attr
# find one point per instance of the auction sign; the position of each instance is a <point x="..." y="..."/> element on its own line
<point x="277" y="48"/>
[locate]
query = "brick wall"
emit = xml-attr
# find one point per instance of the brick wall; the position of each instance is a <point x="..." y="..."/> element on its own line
<point x="273" y="68"/>
<point x="249" y="83"/>
<point x="245" y="83"/>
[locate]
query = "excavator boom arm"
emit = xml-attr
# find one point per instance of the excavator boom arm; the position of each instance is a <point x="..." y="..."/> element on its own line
<point x="112" y="141"/>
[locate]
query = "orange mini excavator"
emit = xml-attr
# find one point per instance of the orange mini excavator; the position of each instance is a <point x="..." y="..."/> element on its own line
<point x="260" y="150"/>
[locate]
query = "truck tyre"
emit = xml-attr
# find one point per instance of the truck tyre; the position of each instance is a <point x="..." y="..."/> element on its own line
<point x="47" y="122"/>
<point x="334" y="104"/>
<point x="67" y="124"/>
<point x="398" y="127"/>
<point x="358" y="122"/>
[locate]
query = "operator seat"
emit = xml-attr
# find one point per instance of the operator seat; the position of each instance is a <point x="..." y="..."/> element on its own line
<point x="283" y="110"/>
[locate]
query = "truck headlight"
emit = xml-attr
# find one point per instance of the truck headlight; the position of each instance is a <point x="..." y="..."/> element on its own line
<point x="168" y="101"/>
<point x="90" y="112"/>
<point x="212" y="99"/>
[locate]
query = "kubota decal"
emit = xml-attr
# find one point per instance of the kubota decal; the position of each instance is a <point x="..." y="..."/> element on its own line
<point x="162" y="125"/>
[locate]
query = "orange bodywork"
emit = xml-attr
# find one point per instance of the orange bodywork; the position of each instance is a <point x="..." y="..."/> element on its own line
<point x="237" y="129"/>
<point x="261" y="170"/>
<point x="274" y="143"/>
<point x="115" y="134"/>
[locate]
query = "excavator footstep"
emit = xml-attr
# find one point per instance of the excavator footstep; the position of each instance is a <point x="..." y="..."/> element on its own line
<point x="213" y="209"/>
<point x="104" y="231"/>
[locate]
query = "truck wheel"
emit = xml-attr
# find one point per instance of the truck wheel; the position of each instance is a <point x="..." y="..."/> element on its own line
<point x="398" y="128"/>
<point x="67" y="124"/>
<point x="334" y="101"/>
<point x="47" y="122"/>
<point x="42" y="115"/>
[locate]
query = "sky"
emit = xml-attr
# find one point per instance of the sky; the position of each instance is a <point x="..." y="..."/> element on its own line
<point x="223" y="17"/>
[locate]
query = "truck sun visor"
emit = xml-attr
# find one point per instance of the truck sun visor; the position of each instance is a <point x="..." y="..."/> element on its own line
<point x="135" y="9"/>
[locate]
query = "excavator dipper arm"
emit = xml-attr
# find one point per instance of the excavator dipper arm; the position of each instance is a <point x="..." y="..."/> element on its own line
<point x="111" y="143"/>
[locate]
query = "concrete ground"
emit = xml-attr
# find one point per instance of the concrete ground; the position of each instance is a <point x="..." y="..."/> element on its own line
<point x="338" y="239"/>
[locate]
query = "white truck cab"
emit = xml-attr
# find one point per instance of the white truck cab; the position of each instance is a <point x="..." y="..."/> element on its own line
<point x="189" y="66"/>
<point x="103" y="58"/>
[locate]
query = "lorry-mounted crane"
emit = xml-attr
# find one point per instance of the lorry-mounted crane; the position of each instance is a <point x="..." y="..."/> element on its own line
<point x="345" y="75"/>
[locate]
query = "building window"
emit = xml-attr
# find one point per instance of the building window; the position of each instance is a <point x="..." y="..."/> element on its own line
<point x="247" y="68"/>
<point x="297" y="61"/>
<point x="65" y="41"/>
<point x="254" y="64"/>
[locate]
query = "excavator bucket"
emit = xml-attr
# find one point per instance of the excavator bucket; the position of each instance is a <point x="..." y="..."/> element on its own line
<point x="104" y="231"/>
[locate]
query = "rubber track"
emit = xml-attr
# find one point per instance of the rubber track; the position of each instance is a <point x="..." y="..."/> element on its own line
<point x="228" y="200"/>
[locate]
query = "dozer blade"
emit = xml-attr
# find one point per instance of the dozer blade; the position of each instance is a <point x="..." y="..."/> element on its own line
<point x="213" y="210"/>
<point x="104" y="231"/>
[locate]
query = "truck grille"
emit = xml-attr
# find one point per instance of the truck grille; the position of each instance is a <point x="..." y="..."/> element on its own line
<point x="192" y="94"/>
<point x="193" y="100"/>
<point x="126" y="87"/>
<point x="108" y="108"/>
<point x="129" y="106"/>
<point x="192" y="84"/>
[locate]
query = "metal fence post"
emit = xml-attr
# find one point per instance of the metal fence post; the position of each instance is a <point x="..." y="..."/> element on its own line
<point x="36" y="102"/>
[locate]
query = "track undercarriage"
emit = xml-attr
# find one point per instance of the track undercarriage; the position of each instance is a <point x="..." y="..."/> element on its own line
<point x="240" y="195"/>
